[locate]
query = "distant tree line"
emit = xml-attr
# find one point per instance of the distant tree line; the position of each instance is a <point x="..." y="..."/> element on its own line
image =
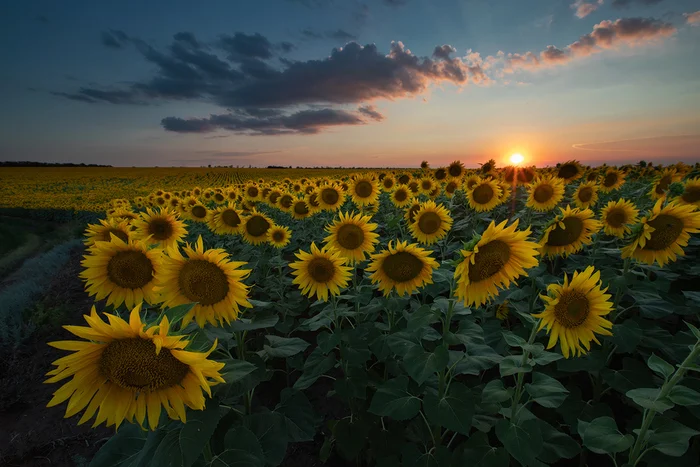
<point x="46" y="164"/>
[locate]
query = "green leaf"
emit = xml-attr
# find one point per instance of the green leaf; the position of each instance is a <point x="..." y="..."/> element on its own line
<point x="122" y="448"/>
<point x="453" y="411"/>
<point x="316" y="365"/>
<point x="649" y="399"/>
<point x="511" y="365"/>
<point x="478" y="357"/>
<point x="282" y="347"/>
<point x="259" y="321"/>
<point x="544" y="357"/>
<point x="327" y="341"/>
<point x="495" y="392"/>
<point x="627" y="336"/>
<point x="392" y="399"/>
<point x="402" y="342"/>
<point x="557" y="445"/>
<point x="684" y="396"/>
<point x="270" y="429"/>
<point x="235" y="370"/>
<point x="694" y="330"/>
<point x="168" y="453"/>
<point x="546" y="391"/>
<point x="242" y="449"/>
<point x="176" y="313"/>
<point x="350" y="437"/>
<point x="196" y="432"/>
<point x="660" y="366"/>
<point x="477" y="452"/>
<point x="420" y="364"/>
<point x="421" y="318"/>
<point x="513" y="339"/>
<point x="602" y="436"/>
<point x="522" y="441"/>
<point x="672" y="438"/>
<point x="299" y="416"/>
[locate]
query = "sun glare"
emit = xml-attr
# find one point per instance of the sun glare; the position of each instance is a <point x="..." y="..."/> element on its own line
<point x="516" y="158"/>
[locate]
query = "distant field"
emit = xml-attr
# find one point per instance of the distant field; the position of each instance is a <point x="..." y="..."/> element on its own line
<point x="92" y="188"/>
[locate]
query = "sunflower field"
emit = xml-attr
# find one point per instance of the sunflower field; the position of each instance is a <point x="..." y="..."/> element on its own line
<point x="419" y="317"/>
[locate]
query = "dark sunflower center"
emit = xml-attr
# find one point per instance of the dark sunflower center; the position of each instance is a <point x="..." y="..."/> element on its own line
<point x="572" y="309"/>
<point x="388" y="182"/>
<point x="363" y="189"/>
<point x="278" y="236"/>
<point x="218" y="197"/>
<point x="543" y="193"/>
<point x="404" y="179"/>
<point x="301" y="208"/>
<point x="350" y="236"/>
<point x="440" y="174"/>
<point x="130" y="269"/>
<point x="161" y="229"/>
<point x="691" y="194"/>
<point x="266" y="191"/>
<point x="413" y="186"/>
<point x="252" y="191"/>
<point x="321" y="269"/>
<point x="330" y="196"/>
<point x="429" y="223"/>
<point x="489" y="260"/>
<point x="455" y="170"/>
<point x="274" y="197"/>
<point x="426" y="185"/>
<point x="610" y="179"/>
<point x="486" y="168"/>
<point x="286" y="201"/>
<point x="663" y="184"/>
<point x="257" y="226"/>
<point x="231" y="218"/>
<point x="483" y="193"/>
<point x="412" y="212"/>
<point x="160" y="201"/>
<point x="568" y="171"/>
<point x="451" y="187"/>
<point x="402" y="266"/>
<point x="616" y="217"/>
<point x="667" y="230"/>
<point x="106" y="237"/>
<point x="568" y="235"/>
<point x="585" y="194"/>
<point x="400" y="196"/>
<point x="592" y="177"/>
<point x="471" y="184"/>
<point x="133" y="364"/>
<point x="313" y="200"/>
<point x="200" y="212"/>
<point x="203" y="282"/>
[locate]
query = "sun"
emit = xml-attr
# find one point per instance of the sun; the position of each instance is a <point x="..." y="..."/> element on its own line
<point x="516" y="158"/>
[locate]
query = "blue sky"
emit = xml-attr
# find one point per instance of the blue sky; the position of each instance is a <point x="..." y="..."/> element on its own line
<point x="258" y="83"/>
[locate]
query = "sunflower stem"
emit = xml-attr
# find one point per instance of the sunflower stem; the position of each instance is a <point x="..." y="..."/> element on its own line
<point x="521" y="376"/>
<point x="618" y="293"/>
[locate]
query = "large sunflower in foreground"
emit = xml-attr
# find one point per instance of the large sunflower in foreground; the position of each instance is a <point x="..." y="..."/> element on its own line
<point x="432" y="222"/>
<point x="617" y="216"/>
<point x="574" y="311"/>
<point x="353" y="236"/>
<point x="320" y="272"/>
<point x="499" y="257"/>
<point x="612" y="180"/>
<point x="255" y="228"/>
<point x="569" y="232"/>
<point x="586" y="195"/>
<point x="401" y="196"/>
<point x="161" y="228"/>
<point x="125" y="371"/>
<point x="664" y="233"/>
<point x="570" y="171"/>
<point x="545" y="193"/>
<point x="206" y="277"/>
<point x="226" y="220"/>
<point x="402" y="266"/>
<point x="122" y="272"/>
<point x="485" y="195"/>
<point x="691" y="192"/>
<point x="364" y="190"/>
<point x="103" y="231"/>
<point x="279" y="236"/>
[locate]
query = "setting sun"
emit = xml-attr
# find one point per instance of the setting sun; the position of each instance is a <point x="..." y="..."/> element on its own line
<point x="516" y="158"/>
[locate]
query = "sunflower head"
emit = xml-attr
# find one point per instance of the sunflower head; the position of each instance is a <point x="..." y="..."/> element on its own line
<point x="320" y="272"/>
<point x="424" y="165"/>
<point x="545" y="193"/>
<point x="612" y="180"/>
<point x="485" y="195"/>
<point x="662" y="182"/>
<point x="279" y="236"/>
<point x="162" y="228"/>
<point x="330" y="196"/>
<point x="432" y="222"/>
<point x="586" y="195"/>
<point x="569" y="232"/>
<point x="691" y="192"/>
<point x="401" y="196"/>
<point x="226" y="220"/>
<point x="198" y="212"/>
<point x="455" y="169"/>
<point x="300" y="209"/>
<point x="426" y="185"/>
<point x="388" y="183"/>
<point x="617" y="217"/>
<point x="488" y="167"/>
<point x="353" y="236"/>
<point x="450" y="188"/>
<point x="252" y="192"/>
<point x="440" y="174"/>
<point x="103" y="231"/>
<point x="255" y="227"/>
<point x="364" y="190"/>
<point x="402" y="267"/>
<point x="570" y="171"/>
<point x="412" y="207"/>
<point x="404" y="178"/>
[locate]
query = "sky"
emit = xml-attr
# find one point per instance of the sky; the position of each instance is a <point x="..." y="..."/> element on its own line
<point x="355" y="83"/>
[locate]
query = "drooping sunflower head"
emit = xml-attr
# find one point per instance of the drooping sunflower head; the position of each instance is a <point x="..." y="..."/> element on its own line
<point x="617" y="217"/>
<point x="255" y="227"/>
<point x="432" y="222"/>
<point x="279" y="236"/>
<point x="412" y="207"/>
<point x="691" y="192"/>
<point x="488" y="167"/>
<point x="662" y="182"/>
<point x="440" y="174"/>
<point x="402" y="266"/>
<point x="226" y="220"/>
<point x="503" y="311"/>
<point x="455" y="169"/>
<point x="128" y="371"/>
<point x="162" y="228"/>
<point x="570" y="171"/>
<point x="612" y="180"/>
<point x="586" y="195"/>
<point x="313" y="201"/>
<point x="545" y="193"/>
<point x="574" y="312"/>
<point x="274" y="197"/>
<point x="592" y="176"/>
<point x="103" y="231"/>
<point x="493" y="261"/>
<point x="207" y="277"/>
<point x="330" y="196"/>
<point x="569" y="232"/>
<point x="484" y="196"/>
<point x="353" y="236"/>
<point x="286" y="201"/>
<point x="122" y="272"/>
<point x="664" y="233"/>
<point x="320" y="272"/>
<point x="404" y="178"/>
<point x="401" y="196"/>
<point x="364" y="190"/>
<point x="388" y="183"/>
<point x="414" y="187"/>
<point x="450" y="188"/>
<point x="424" y="165"/>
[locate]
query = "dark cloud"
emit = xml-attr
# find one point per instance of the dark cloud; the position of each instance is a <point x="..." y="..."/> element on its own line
<point x="342" y="35"/>
<point x="242" y="45"/>
<point x="338" y="34"/>
<point x="114" y="38"/>
<point x="371" y="112"/>
<point x="93" y="96"/>
<point x="626" y="3"/>
<point x="443" y="51"/>
<point x="188" y="38"/>
<point x="309" y="33"/>
<point x="286" y="47"/>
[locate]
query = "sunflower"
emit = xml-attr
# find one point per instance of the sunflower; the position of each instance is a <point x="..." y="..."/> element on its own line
<point x="353" y="236"/>
<point x="313" y="202"/>
<point x="364" y="190"/>
<point x="413" y="207"/>
<point x="286" y="202"/>
<point x="493" y="261"/>
<point x="401" y="196"/>
<point x="123" y="272"/>
<point x="432" y="222"/>
<point x="161" y="228"/>
<point x="455" y="169"/>
<point x="207" y="277"/>
<point x="574" y="312"/>
<point x="320" y="272"/>
<point x="569" y="232"/>
<point x="330" y="197"/>
<point x="300" y="209"/>
<point x="103" y="231"/>
<point x="424" y="165"/>
<point x="122" y="214"/>
<point x="586" y="195"/>
<point x="226" y="220"/>
<point x="471" y="181"/>
<point x="450" y="188"/>
<point x="388" y="183"/>
<point x="570" y="171"/>
<point x="279" y="236"/>
<point x="426" y="185"/>
<point x="617" y="216"/>
<point x="402" y="266"/>
<point x="440" y="174"/>
<point x="488" y="167"/>
<point x="664" y="233"/>
<point x="255" y="227"/>
<point x="503" y="311"/>
<point x="612" y="180"/>
<point x="414" y="187"/>
<point x="484" y="196"/>
<point x="404" y="178"/>
<point x="592" y="176"/>
<point x="198" y="212"/>
<point x="545" y="193"/>
<point x="691" y="192"/>
<point x="127" y="371"/>
<point x="252" y="192"/>
<point x="663" y="180"/>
